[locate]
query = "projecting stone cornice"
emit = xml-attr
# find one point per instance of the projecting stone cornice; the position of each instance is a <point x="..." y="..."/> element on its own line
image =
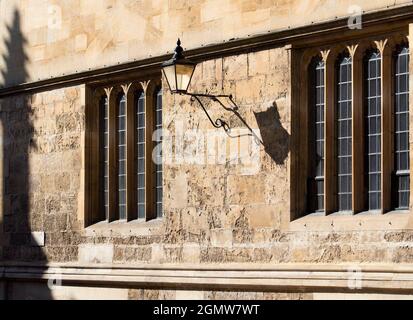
<point x="373" y="23"/>
<point x="385" y="278"/>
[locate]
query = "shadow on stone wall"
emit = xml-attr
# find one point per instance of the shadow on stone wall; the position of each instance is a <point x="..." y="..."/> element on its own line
<point x="275" y="137"/>
<point x="19" y="245"/>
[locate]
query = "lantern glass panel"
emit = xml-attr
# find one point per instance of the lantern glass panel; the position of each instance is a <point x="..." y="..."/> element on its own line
<point x="170" y="74"/>
<point x="183" y="76"/>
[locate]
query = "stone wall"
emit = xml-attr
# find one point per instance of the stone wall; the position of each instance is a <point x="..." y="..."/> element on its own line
<point x="65" y="37"/>
<point x="42" y="137"/>
<point x="214" y="213"/>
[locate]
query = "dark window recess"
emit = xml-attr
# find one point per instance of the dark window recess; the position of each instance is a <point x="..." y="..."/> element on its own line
<point x="401" y="118"/>
<point x="140" y="154"/>
<point x="128" y="145"/>
<point x="316" y="112"/>
<point x="344" y="134"/>
<point x="104" y="156"/>
<point x="122" y="157"/>
<point x="373" y="130"/>
<point x="158" y="146"/>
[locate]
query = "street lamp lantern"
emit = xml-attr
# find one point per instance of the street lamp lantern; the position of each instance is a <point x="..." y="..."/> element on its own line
<point x="178" y="71"/>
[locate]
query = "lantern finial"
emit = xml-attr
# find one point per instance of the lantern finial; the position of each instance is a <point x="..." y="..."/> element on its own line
<point x="178" y="51"/>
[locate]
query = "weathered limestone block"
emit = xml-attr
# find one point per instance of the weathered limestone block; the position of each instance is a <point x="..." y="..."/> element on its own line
<point x="50" y="223"/>
<point x="89" y="253"/>
<point x="173" y="254"/>
<point x="400" y="236"/>
<point x="193" y="221"/>
<point x="191" y="253"/>
<point x="262" y="236"/>
<point x="206" y="188"/>
<point x="404" y="253"/>
<point x="149" y="294"/>
<point x="157" y="253"/>
<point x="71" y="253"/>
<point x="235" y="67"/>
<point x="135" y="254"/>
<point x="258" y="63"/>
<point x="62" y="182"/>
<point x="135" y="294"/>
<point x="262" y="216"/>
<point x="242" y="233"/>
<point x="250" y="91"/>
<point x="208" y="71"/>
<point x="67" y="122"/>
<point x="53" y="201"/>
<point x="178" y="195"/>
<point x="245" y="189"/>
<point x="221" y="238"/>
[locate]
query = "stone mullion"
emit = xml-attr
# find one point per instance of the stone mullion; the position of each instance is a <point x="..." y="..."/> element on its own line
<point x="300" y="135"/>
<point x="330" y="185"/>
<point x="386" y="122"/>
<point x="93" y="208"/>
<point x="113" y="158"/>
<point x="131" y="211"/>
<point x="358" y="192"/>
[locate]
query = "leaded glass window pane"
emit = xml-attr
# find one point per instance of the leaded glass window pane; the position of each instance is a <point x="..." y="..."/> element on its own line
<point x="158" y="165"/>
<point x="121" y="136"/>
<point x="316" y="112"/>
<point x="344" y="134"/>
<point x="373" y="129"/>
<point x="104" y="155"/>
<point x="402" y="165"/>
<point x="140" y="154"/>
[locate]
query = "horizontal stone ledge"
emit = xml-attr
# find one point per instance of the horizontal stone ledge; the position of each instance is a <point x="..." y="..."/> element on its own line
<point x="288" y="277"/>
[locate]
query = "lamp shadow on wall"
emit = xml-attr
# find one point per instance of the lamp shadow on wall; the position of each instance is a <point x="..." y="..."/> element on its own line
<point x="275" y="138"/>
<point x="20" y="217"/>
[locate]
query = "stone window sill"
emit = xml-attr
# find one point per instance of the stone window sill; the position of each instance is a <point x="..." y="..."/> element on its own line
<point x="123" y="228"/>
<point x="365" y="221"/>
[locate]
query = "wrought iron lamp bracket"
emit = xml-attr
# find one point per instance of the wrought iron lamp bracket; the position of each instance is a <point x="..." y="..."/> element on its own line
<point x="217" y="123"/>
